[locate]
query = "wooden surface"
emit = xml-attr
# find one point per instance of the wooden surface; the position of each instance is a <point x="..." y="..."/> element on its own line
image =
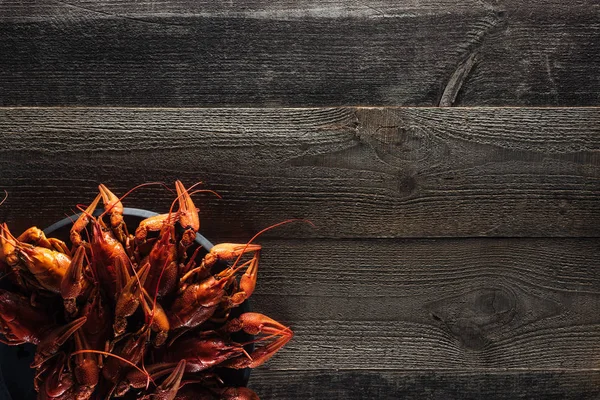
<point x="456" y="251"/>
<point x="369" y="292"/>
<point x="297" y="53"/>
<point x="439" y="385"/>
<point x="355" y="172"/>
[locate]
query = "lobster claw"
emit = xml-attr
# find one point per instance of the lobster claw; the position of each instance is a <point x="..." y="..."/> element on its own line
<point x="160" y="322"/>
<point x="170" y="386"/>
<point x="20" y="322"/>
<point x="57" y="383"/>
<point x="86" y="371"/>
<point x="36" y="237"/>
<point x="228" y="251"/>
<point x="114" y="208"/>
<point x="74" y="282"/>
<point x="247" y="283"/>
<point x="220" y="252"/>
<point x="188" y="215"/>
<point x="8" y="246"/>
<point x="112" y="205"/>
<point x="254" y="324"/>
<point x="49" y="346"/>
<point x="129" y="295"/>
<point x="82" y="222"/>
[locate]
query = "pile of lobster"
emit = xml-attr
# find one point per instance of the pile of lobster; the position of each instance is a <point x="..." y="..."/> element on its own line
<point x="140" y="316"/>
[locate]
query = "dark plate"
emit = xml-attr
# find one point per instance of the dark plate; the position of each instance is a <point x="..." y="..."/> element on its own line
<point x="16" y="378"/>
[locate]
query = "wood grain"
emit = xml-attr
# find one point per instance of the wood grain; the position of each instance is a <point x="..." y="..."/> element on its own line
<point x="355" y="172"/>
<point x="439" y="385"/>
<point x="299" y="53"/>
<point x="455" y="254"/>
<point x="451" y="304"/>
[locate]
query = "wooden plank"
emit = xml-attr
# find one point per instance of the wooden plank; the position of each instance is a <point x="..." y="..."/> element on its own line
<point x="438" y="385"/>
<point x="300" y="53"/>
<point x="443" y="304"/>
<point x="355" y="172"/>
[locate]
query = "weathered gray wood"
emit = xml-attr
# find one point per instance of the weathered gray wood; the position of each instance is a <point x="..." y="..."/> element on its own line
<point x="433" y="385"/>
<point x="300" y="53"/>
<point x="13" y="10"/>
<point x="355" y="172"/>
<point x="451" y="304"/>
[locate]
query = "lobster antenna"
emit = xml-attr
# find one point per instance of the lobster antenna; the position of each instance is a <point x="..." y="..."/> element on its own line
<point x="81" y="208"/>
<point x="268" y="228"/>
<point x="4" y="228"/>
<point x="247" y="355"/>
<point x="273" y="335"/>
<point x="105" y="353"/>
<point x="12" y="271"/>
<point x="260" y="339"/>
<point x="177" y="198"/>
<point x="71" y="216"/>
<point x="239" y="267"/>
<point x="146" y="371"/>
<point x="5" y="197"/>
<point x="135" y="188"/>
<point x="206" y="191"/>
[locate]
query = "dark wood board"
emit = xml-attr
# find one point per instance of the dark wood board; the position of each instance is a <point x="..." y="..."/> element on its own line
<point x="429" y="385"/>
<point x="432" y="319"/>
<point x="300" y="53"/>
<point x="355" y="172"/>
<point x="434" y="304"/>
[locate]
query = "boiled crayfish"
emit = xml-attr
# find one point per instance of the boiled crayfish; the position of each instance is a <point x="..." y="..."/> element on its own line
<point x="119" y="314"/>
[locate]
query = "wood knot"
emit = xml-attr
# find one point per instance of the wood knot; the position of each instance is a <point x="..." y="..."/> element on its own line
<point x="404" y="143"/>
<point x="471" y="317"/>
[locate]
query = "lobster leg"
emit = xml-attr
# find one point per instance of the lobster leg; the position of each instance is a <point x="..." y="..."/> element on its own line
<point x="11" y="340"/>
<point x="184" y="268"/>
